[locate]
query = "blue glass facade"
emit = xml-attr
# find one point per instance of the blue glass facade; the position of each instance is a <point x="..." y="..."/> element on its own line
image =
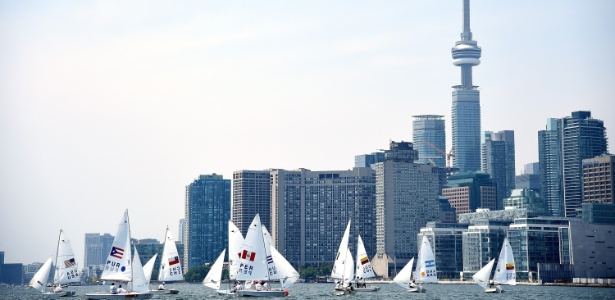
<point x="428" y="132"/>
<point x="466" y="128"/>
<point x="550" y="161"/>
<point x="208" y="209"/>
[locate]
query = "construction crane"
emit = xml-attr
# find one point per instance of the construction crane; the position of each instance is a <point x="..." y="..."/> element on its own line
<point x="447" y="155"/>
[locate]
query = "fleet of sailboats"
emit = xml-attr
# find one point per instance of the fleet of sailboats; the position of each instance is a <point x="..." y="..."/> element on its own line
<point x="504" y="273"/>
<point x="252" y="261"/>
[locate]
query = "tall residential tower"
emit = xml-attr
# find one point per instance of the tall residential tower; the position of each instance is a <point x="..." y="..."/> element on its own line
<point x="466" y="100"/>
<point x="429" y="139"/>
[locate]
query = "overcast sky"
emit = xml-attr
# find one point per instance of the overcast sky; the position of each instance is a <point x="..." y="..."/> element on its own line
<point x="114" y="105"/>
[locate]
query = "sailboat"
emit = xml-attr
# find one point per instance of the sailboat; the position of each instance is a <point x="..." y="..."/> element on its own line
<point x="120" y="267"/>
<point x="214" y="276"/>
<point x="343" y="268"/>
<point x="404" y="277"/>
<point x="66" y="271"/>
<point x="257" y="263"/>
<point x="364" y="268"/>
<point x="504" y="271"/>
<point x="425" y="266"/>
<point x="170" y="266"/>
<point x="39" y="280"/>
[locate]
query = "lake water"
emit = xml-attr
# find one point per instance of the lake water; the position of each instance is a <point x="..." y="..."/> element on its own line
<point x="387" y="291"/>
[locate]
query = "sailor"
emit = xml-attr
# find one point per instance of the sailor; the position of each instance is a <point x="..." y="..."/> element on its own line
<point x="57" y="289"/>
<point x="113" y="288"/>
<point x="161" y="286"/>
<point x="490" y="283"/>
<point x="412" y="283"/>
<point x="121" y="290"/>
<point x="266" y="286"/>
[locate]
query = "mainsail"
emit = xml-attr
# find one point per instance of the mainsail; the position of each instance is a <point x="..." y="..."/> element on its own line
<point x="343" y="258"/>
<point x="426" y="264"/>
<point x="170" y="268"/>
<point x="66" y="265"/>
<point x="118" y="265"/>
<point x="482" y="277"/>
<point x="505" y="270"/>
<point x="252" y="263"/>
<point x="404" y="276"/>
<point x="364" y="266"/>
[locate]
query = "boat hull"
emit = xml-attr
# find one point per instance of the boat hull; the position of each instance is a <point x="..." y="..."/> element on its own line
<point x="367" y="289"/>
<point x="120" y="296"/>
<point x="343" y="292"/>
<point x="225" y="292"/>
<point x="253" y="293"/>
<point x="171" y="291"/>
<point x="417" y="289"/>
<point x="497" y="289"/>
<point x="59" y="295"/>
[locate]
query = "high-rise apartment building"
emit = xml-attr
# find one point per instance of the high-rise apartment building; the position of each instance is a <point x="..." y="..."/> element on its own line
<point x="429" y="136"/>
<point x="599" y="179"/>
<point x="465" y="114"/>
<point x="208" y="207"/>
<point x="310" y="211"/>
<point x="469" y="190"/>
<point x="406" y="199"/>
<point x="562" y="147"/>
<point x="251" y="196"/>
<point x="97" y="248"/>
<point x="498" y="160"/>
<point x="181" y="233"/>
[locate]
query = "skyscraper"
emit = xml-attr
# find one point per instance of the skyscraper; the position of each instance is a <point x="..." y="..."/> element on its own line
<point x="208" y="209"/>
<point x="428" y="134"/>
<point x="562" y="148"/>
<point x="466" y="100"/>
<point x="406" y="199"/>
<point x="251" y="196"/>
<point x="498" y="160"/>
<point x="97" y="248"/>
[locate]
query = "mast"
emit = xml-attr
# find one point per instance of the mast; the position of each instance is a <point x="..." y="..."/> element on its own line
<point x="265" y="248"/>
<point x="130" y="242"/>
<point x="55" y="271"/>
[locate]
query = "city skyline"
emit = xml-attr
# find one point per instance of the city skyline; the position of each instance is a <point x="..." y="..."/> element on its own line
<point x="107" y="106"/>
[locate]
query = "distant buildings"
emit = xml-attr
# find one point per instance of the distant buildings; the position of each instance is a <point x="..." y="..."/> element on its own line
<point x="406" y="199"/>
<point x="97" y="247"/>
<point x="562" y="147"/>
<point x="11" y="273"/>
<point x="429" y="136"/>
<point x="470" y="190"/>
<point x="208" y="207"/>
<point x="599" y="179"/>
<point x="530" y="179"/>
<point x="465" y="114"/>
<point x="498" y="160"/>
<point x="482" y="242"/>
<point x="181" y="233"/>
<point x="528" y="199"/>
<point x="368" y="160"/>
<point x="149" y="247"/>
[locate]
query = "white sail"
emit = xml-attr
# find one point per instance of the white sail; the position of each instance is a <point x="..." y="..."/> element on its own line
<point x="348" y="267"/>
<point x="252" y="263"/>
<point x="39" y="281"/>
<point x="482" y="277"/>
<point x="505" y="270"/>
<point x="170" y="267"/>
<point x="404" y="276"/>
<point x="364" y="266"/>
<point x="342" y="258"/>
<point x="66" y="265"/>
<point x="235" y="240"/>
<point x="214" y="276"/>
<point x="118" y="265"/>
<point x="140" y="283"/>
<point x="286" y="273"/>
<point x="148" y="268"/>
<point x="426" y="264"/>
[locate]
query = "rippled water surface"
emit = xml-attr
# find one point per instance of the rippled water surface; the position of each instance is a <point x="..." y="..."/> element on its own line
<point x="387" y="291"/>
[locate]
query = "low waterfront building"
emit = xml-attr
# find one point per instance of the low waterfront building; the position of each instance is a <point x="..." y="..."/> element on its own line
<point x="447" y="242"/>
<point x="482" y="242"/>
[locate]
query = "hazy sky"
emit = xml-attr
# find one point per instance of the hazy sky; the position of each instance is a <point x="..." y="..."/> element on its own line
<point x="114" y="105"/>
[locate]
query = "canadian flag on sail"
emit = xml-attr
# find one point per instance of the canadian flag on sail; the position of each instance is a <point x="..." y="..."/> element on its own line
<point x="248" y="255"/>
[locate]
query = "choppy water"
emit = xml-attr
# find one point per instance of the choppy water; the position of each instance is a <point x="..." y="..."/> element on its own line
<point x="387" y="291"/>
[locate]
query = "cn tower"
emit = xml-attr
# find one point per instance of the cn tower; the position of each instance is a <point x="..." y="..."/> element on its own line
<point x="465" y="116"/>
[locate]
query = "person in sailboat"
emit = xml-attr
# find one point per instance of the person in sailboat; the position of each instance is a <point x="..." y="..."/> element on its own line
<point x="57" y="288"/>
<point x="113" y="288"/>
<point x="412" y="283"/>
<point x="266" y="286"/>
<point x="121" y="290"/>
<point x="490" y="283"/>
<point x="338" y="285"/>
<point x="161" y="286"/>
